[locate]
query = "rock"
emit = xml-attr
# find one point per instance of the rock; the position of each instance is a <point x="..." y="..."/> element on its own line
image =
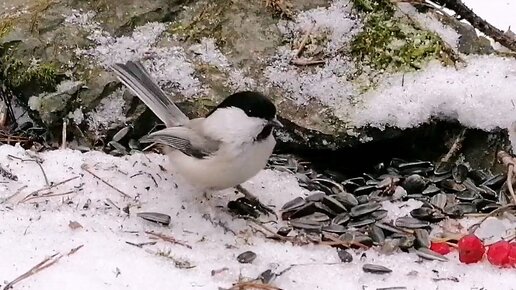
<point x="201" y="51"/>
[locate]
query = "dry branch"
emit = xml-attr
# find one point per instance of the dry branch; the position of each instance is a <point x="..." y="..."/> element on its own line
<point x="485" y="27"/>
<point x="85" y="168"/>
<point x="47" y="262"/>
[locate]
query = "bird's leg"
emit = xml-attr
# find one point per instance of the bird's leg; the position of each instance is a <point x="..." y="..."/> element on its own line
<point x="254" y="200"/>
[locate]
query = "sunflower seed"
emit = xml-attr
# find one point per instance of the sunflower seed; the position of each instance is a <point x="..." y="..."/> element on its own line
<point x="344" y="255"/>
<point x="296" y="203"/>
<point x="376" y="234"/>
<point x="422" y="238"/>
<point x="414" y="183"/>
<point x="361" y="222"/>
<point x="459" y="173"/>
<point x="375" y="269"/>
<point x="347" y="199"/>
<point x="439" y="200"/>
<point x="156" y="217"/>
<point x="379" y="214"/>
<point x="428" y="254"/>
<point x="410" y="223"/>
<point x="341" y="219"/>
<point x="334" y="204"/>
<point x="364" y="209"/>
<point x="246" y="257"/>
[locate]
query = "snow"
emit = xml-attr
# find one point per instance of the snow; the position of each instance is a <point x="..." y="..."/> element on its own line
<point x="108" y="114"/>
<point x="335" y="25"/>
<point x="30" y="232"/>
<point x="480" y="95"/>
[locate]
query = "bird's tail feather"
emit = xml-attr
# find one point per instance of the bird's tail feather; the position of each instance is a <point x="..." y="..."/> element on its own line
<point x="138" y="80"/>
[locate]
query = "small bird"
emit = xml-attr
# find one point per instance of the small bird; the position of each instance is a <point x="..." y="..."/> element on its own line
<point x="222" y="150"/>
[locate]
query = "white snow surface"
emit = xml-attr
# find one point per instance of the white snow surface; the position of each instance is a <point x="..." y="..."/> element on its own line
<point x="480" y="95"/>
<point x="31" y="232"/>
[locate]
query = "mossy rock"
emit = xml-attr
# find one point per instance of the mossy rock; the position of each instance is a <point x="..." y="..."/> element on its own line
<point x="38" y="52"/>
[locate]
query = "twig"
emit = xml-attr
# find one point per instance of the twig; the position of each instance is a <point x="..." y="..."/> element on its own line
<point x="304" y="62"/>
<point x="168" y="239"/>
<point x="508" y="161"/>
<point x="304" y="41"/>
<point x="35" y="193"/>
<point x="35" y="159"/>
<point x="85" y="168"/>
<point x="466" y="13"/>
<point x="456" y="146"/>
<point x="14" y="194"/>
<point x="49" y="195"/>
<point x="47" y="262"/>
<point x="474" y="227"/>
<point x="252" y="286"/>
<point x="337" y="242"/>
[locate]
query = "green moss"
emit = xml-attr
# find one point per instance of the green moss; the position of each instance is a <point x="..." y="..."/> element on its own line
<point x="205" y="21"/>
<point x="388" y="43"/>
<point x="5" y="27"/>
<point x="18" y="75"/>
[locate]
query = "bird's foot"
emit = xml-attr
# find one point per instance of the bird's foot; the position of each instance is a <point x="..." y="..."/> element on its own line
<point x="253" y="200"/>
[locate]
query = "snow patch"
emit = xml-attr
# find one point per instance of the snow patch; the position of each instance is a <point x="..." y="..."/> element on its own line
<point x="480" y="95"/>
<point x="109" y="113"/>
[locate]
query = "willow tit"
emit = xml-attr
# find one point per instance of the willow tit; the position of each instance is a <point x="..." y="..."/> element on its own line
<point x="222" y="150"/>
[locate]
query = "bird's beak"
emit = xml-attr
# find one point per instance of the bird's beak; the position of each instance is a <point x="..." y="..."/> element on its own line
<point x="274" y="122"/>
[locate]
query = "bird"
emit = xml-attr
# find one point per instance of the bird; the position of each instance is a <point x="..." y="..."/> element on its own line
<point x="222" y="150"/>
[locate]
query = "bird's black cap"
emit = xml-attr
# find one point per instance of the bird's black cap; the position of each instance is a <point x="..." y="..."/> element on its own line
<point x="254" y="104"/>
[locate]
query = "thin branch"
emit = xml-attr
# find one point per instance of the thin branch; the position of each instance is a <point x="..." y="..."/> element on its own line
<point x="167" y="239"/>
<point x="35" y="159"/>
<point x="506" y="207"/>
<point x="476" y="21"/>
<point x="305" y="62"/>
<point x="14" y="194"/>
<point x="509" y="161"/>
<point x="36" y="192"/>
<point x="50" y="195"/>
<point x="47" y="262"/>
<point x="85" y="168"/>
<point x="304" y="41"/>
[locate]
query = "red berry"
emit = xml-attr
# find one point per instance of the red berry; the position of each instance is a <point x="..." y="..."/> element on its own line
<point x="440" y="248"/>
<point x="512" y="255"/>
<point x="471" y="249"/>
<point x="498" y="253"/>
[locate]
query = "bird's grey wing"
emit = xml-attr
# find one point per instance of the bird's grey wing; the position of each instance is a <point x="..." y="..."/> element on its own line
<point x="185" y="140"/>
<point x="135" y="77"/>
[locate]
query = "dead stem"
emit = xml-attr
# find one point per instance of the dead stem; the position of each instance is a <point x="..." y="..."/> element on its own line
<point x="14" y="194"/>
<point x="35" y="193"/>
<point x="252" y="286"/>
<point x="36" y="160"/>
<point x="50" y="195"/>
<point x="509" y="161"/>
<point x="85" y="168"/>
<point x="304" y="41"/>
<point x="167" y="239"/>
<point x="501" y="209"/>
<point x="305" y="62"/>
<point x="47" y="262"/>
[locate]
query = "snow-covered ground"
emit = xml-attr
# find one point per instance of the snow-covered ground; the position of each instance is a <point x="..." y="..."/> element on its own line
<point x="33" y="230"/>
